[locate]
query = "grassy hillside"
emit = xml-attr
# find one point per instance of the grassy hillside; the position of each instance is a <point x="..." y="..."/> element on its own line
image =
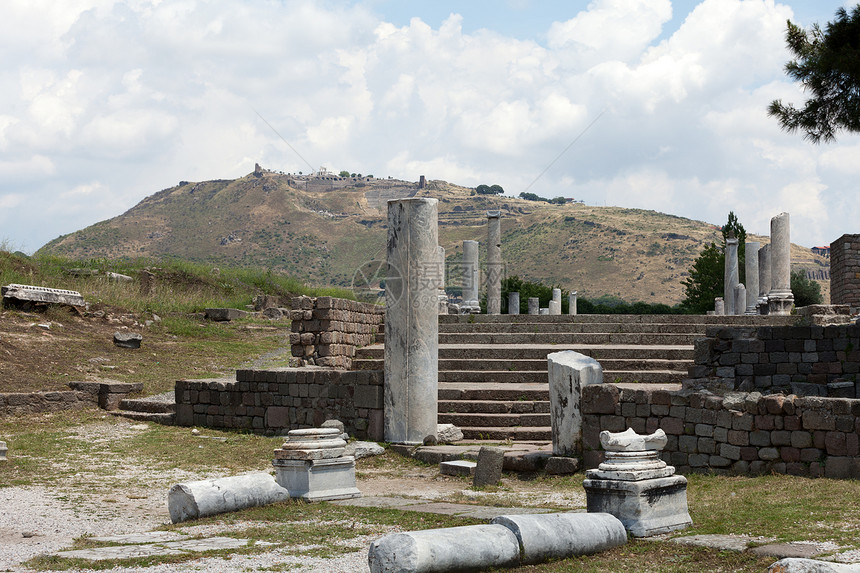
<point x="322" y="232"/>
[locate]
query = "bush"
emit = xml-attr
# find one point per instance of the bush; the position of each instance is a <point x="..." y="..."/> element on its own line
<point x="806" y="291"/>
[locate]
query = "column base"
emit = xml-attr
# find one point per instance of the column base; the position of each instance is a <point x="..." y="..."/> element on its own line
<point x="318" y="480"/>
<point x="780" y="305"/>
<point x="646" y="507"/>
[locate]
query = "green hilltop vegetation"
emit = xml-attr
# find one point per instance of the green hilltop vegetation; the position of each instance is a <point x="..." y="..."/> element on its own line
<point x="321" y="230"/>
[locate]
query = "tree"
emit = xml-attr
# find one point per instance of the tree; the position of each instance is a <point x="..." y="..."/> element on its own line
<point x="483" y="190"/>
<point x="707" y="276"/>
<point x="827" y="64"/>
<point x="343" y="174"/>
<point x="496" y="189"/>
<point x="805" y="290"/>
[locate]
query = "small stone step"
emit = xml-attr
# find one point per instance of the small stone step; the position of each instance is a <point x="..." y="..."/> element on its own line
<point x="163" y="419"/>
<point x="512" y="433"/>
<point x="462" y="419"/>
<point x="494" y="376"/>
<point x="558" y="338"/>
<point x="539" y="351"/>
<point x="512" y="392"/>
<point x="145" y="405"/>
<point x="494" y="406"/>
<point x="579" y="328"/>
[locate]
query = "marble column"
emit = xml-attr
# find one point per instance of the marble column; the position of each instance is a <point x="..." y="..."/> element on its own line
<point x="740" y="295"/>
<point x="443" y="296"/>
<point x="411" y="321"/>
<point x="555" y="303"/>
<point x="780" y="299"/>
<point x="571" y="303"/>
<point x="534" y="305"/>
<point x="513" y="303"/>
<point x="751" y="270"/>
<point x="719" y="306"/>
<point x="763" y="278"/>
<point x="471" y="280"/>
<point x="730" y="275"/>
<point x="494" y="262"/>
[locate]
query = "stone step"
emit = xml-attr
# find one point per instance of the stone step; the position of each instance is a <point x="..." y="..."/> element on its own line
<point x="504" y="377"/>
<point x="478" y="391"/>
<point x="514" y="433"/>
<point x="530" y="365"/>
<point x="144" y="405"/>
<point x="474" y="420"/>
<point x="559" y="338"/>
<point x="742" y="320"/>
<point x="156" y="418"/>
<point x="494" y="406"/>
<point x="540" y="351"/>
<point x="574" y="327"/>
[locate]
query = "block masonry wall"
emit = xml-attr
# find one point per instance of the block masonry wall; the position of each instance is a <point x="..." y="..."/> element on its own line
<point x="327" y="330"/>
<point x="274" y="401"/>
<point x="742" y="434"/>
<point x="802" y="360"/>
<point x="845" y="271"/>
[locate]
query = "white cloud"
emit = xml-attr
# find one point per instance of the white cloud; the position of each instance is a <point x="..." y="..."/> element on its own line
<point x="108" y="101"/>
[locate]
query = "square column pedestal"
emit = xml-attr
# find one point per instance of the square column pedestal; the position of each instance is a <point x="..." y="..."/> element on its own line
<point x="318" y="480"/>
<point x="637" y="487"/>
<point x="311" y="466"/>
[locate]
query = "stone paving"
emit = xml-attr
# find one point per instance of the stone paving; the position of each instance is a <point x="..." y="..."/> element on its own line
<point x="173" y="543"/>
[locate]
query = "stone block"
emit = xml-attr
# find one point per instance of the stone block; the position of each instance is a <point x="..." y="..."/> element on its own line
<point x="489" y="468"/>
<point x="369" y="397"/>
<point x="599" y="399"/>
<point x="193" y="500"/>
<point x="633" y="502"/>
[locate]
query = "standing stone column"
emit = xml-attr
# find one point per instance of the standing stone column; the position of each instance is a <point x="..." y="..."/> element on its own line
<point x="534" y="305"/>
<point x="719" y="306"/>
<point x="763" y="278"/>
<point x="740" y="295"/>
<point x="443" y="296"/>
<point x="494" y="262"/>
<point x="411" y="321"/>
<point x="513" y="303"/>
<point x="751" y="271"/>
<point x="730" y="275"/>
<point x="571" y="303"/>
<point x="555" y="303"/>
<point x="780" y="299"/>
<point x="471" y="280"/>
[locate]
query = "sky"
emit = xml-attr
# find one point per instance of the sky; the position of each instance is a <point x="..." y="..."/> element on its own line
<point x="651" y="104"/>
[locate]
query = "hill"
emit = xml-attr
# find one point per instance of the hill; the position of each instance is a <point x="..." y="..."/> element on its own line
<point x="322" y="229"/>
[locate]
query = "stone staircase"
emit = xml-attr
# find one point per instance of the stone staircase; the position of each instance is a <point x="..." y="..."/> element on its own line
<point x="493" y="380"/>
<point x="159" y="408"/>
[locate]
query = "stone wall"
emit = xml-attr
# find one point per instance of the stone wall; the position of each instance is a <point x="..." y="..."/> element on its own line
<point x="24" y="403"/>
<point x="327" y="330"/>
<point x="275" y="401"/>
<point x="742" y="434"/>
<point x="802" y="360"/>
<point x="845" y="271"/>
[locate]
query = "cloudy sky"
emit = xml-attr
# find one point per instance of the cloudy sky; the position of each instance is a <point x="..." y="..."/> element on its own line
<point x="637" y="103"/>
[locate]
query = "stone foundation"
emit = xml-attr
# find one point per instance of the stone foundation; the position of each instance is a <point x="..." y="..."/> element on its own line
<point x="741" y="434"/>
<point x="326" y="330"/>
<point x="274" y="401"/>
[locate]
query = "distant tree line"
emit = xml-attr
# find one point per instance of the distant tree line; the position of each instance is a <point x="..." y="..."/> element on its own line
<point x="533" y="197"/>
<point x="489" y="189"/>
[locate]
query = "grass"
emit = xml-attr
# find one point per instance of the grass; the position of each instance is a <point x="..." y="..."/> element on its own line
<point x="79" y="451"/>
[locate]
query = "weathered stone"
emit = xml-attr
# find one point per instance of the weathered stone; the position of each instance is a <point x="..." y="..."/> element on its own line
<point x="471" y="278"/>
<point x="224" y="314"/>
<point x="448" y="433"/>
<point x="534" y="306"/>
<point x="411" y="323"/>
<point x="557" y="465"/>
<point x="563" y="535"/>
<point x="17" y="294"/>
<point x="730" y="275"/>
<point x="513" y="303"/>
<point x="495" y="268"/>
<point x="489" y="468"/>
<point x="198" y="499"/>
<point x="127" y="339"/>
<point x="571" y="303"/>
<point x="3" y="450"/>
<point x="633" y="503"/>
<point x="457" y="468"/>
<point x="751" y="249"/>
<point x="569" y="371"/>
<point x="780" y="297"/>
<point x="439" y="550"/>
